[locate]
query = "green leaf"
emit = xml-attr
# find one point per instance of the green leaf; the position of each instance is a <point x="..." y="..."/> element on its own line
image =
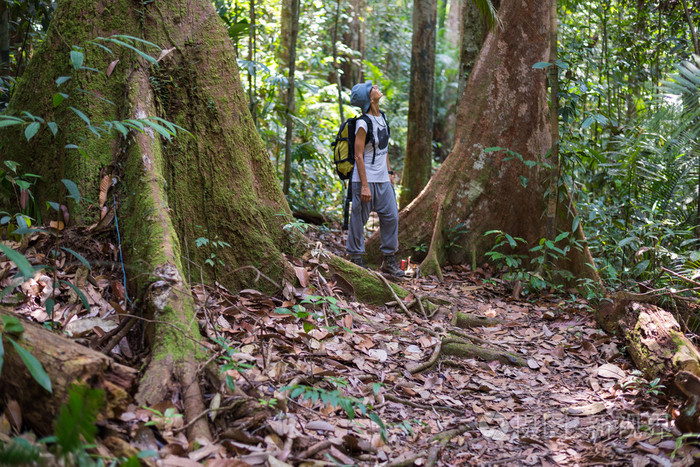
<point x="20" y="452"/>
<point x="230" y="383"/>
<point x="34" y="367"/>
<point x="12" y="325"/>
<point x="6" y="120"/>
<point x="77" y="59"/>
<point x="79" y="256"/>
<point x="75" y="423"/>
<point x="18" y="258"/>
<point x="131" y="47"/>
<point x="237" y="30"/>
<point x="137" y="39"/>
<point x="308" y="327"/>
<point x="121" y="128"/>
<point x="53" y="127"/>
<point x="80" y="293"/>
<point x="62" y="79"/>
<point x="539" y="65"/>
<point x="50" y="304"/>
<point x="282" y="311"/>
<point x="58" y="98"/>
<point x="164" y="132"/>
<point x="82" y="116"/>
<point x="31" y="130"/>
<point x="587" y="122"/>
<point x="72" y="189"/>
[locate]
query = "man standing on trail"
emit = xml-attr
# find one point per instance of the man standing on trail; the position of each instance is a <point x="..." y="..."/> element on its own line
<point x="372" y="187"/>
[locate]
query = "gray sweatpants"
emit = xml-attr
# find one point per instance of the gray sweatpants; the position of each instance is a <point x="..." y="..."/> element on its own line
<point x="383" y="202"/>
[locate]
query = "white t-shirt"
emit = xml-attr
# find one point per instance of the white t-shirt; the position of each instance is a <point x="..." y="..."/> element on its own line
<point x="377" y="171"/>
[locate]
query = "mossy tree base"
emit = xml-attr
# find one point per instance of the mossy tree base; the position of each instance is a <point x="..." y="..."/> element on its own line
<point x="211" y="195"/>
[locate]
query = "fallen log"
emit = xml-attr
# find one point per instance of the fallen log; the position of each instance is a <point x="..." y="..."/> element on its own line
<point x="659" y="349"/>
<point x="653" y="338"/>
<point x="65" y="362"/>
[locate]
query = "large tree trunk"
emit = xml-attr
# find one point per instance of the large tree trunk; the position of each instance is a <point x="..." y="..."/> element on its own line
<point x="419" y="138"/>
<point x="217" y="184"/>
<point x="504" y="105"/>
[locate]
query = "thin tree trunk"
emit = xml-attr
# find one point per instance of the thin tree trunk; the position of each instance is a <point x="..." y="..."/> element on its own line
<point x="290" y="97"/>
<point x="336" y="66"/>
<point x="472" y="36"/>
<point x="454" y="20"/>
<point x="4" y="39"/>
<point x="551" y="221"/>
<point x="252" y="82"/>
<point x="419" y="138"/>
<point x="696" y="47"/>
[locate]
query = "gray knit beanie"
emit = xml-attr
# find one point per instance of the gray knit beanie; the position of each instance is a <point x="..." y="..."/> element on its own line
<point x="360" y="95"/>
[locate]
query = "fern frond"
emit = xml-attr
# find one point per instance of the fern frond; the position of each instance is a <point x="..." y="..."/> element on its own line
<point x="19" y="452"/>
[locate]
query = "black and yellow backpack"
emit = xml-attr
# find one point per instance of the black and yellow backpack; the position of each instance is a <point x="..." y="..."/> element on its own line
<point x="343" y="146"/>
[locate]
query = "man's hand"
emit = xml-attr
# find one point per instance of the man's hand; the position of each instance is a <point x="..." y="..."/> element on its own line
<point x="365" y="194"/>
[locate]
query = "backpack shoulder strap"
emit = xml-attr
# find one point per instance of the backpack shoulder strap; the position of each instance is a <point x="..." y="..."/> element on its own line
<point x="370" y="135"/>
<point x="370" y="128"/>
<point x="388" y="130"/>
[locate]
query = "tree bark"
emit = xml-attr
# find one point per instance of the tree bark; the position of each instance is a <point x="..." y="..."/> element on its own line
<point x="551" y="222"/>
<point x="66" y="363"/>
<point x="504" y="105"/>
<point x="4" y="39"/>
<point x="454" y="20"/>
<point x="653" y="338"/>
<point x="336" y="65"/>
<point x="353" y="38"/>
<point x="419" y="138"/>
<point x="472" y="35"/>
<point x="291" y="66"/>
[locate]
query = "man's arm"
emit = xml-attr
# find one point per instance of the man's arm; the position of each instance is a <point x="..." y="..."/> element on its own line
<point x="388" y="168"/>
<point x="365" y="194"/>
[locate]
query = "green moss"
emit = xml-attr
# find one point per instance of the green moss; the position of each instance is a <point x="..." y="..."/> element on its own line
<point x="368" y="288"/>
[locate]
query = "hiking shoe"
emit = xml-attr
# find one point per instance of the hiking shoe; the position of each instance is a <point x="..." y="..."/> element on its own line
<point x="359" y="260"/>
<point x="389" y="266"/>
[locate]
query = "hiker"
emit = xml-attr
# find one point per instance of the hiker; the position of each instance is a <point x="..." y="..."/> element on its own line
<point x="372" y="187"/>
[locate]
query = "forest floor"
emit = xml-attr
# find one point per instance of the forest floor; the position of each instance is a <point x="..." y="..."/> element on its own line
<point x="330" y="381"/>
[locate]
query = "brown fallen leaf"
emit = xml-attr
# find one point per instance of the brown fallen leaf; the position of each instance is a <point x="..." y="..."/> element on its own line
<point x="111" y="66"/>
<point x="585" y="410"/>
<point x="14" y="414"/>
<point x="610" y="371"/>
